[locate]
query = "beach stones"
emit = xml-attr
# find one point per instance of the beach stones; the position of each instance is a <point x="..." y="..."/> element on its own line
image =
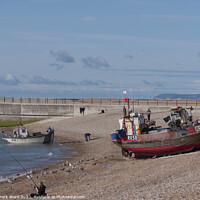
<point x="68" y="170"/>
<point x="33" y="171"/>
<point x="53" y="172"/>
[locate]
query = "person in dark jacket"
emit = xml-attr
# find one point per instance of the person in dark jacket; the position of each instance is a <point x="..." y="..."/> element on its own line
<point x="149" y="114"/>
<point x="40" y="190"/>
<point x="81" y="110"/>
<point x="87" y="136"/>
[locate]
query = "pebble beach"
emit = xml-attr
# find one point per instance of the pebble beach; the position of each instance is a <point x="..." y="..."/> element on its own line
<point x="99" y="171"/>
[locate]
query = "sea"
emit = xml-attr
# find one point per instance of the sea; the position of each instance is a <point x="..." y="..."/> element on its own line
<point x="13" y="158"/>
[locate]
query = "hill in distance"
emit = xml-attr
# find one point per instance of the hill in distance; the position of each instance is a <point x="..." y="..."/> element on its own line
<point x="178" y="96"/>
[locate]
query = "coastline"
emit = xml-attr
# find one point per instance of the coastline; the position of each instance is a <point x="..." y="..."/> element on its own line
<point x="98" y="170"/>
<point x="70" y="138"/>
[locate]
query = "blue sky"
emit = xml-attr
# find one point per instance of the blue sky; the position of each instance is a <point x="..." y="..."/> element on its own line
<point x="99" y="48"/>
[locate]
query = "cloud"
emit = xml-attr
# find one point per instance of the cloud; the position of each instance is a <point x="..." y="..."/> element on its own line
<point x="92" y="83"/>
<point x="177" y="63"/>
<point x="138" y="39"/>
<point x="95" y="63"/>
<point x="57" y="66"/>
<point x="43" y="0"/>
<point x="159" y="84"/>
<point x="88" y="18"/>
<point x="62" y="56"/>
<point x="157" y="71"/>
<point x="129" y="57"/>
<point x="38" y="80"/>
<point x="155" y="83"/>
<point x="9" y="79"/>
<point x="197" y="81"/>
<point x="182" y="17"/>
<point x="146" y="82"/>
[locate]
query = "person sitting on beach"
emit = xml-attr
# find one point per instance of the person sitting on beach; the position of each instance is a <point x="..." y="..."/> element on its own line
<point x="40" y="190"/>
<point x="102" y="111"/>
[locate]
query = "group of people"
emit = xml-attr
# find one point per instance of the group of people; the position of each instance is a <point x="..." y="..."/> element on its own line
<point x="82" y="110"/>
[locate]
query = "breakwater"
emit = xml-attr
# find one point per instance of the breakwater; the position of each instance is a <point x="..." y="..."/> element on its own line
<point x="48" y="110"/>
<point x="45" y="107"/>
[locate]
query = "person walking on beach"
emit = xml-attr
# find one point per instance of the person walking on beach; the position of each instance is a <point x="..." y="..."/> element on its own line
<point x="83" y="109"/>
<point x="149" y="114"/>
<point x="40" y="190"/>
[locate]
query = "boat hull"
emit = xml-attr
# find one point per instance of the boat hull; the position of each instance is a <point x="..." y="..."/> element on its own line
<point x="42" y="139"/>
<point x="165" y="146"/>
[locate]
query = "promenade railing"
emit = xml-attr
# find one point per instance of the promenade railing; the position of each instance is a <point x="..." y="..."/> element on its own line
<point x="139" y="102"/>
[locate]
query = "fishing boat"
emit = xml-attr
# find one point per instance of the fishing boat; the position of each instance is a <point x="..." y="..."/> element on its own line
<point x="22" y="136"/>
<point x="139" y="136"/>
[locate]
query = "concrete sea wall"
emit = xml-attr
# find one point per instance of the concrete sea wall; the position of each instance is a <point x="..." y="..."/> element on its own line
<point x="45" y="110"/>
<point x="48" y="110"/>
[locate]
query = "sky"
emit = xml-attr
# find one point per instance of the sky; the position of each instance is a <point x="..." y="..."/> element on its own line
<point x="99" y="48"/>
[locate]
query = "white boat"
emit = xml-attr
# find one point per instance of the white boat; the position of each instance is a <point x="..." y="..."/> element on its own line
<point x="22" y="136"/>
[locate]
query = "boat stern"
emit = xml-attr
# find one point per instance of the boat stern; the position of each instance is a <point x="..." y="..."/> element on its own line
<point x="49" y="138"/>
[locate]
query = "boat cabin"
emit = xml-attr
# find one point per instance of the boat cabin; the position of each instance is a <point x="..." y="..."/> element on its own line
<point x="135" y="126"/>
<point x="20" y="132"/>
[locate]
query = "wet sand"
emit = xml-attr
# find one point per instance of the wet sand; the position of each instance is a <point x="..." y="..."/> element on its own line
<point x="98" y="170"/>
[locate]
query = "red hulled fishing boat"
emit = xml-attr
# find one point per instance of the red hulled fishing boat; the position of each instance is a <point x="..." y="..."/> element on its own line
<point x="139" y="136"/>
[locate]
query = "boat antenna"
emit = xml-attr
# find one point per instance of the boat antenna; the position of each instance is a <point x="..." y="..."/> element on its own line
<point x="20" y="165"/>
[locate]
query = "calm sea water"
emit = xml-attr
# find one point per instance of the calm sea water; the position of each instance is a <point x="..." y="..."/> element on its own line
<point x="30" y="156"/>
